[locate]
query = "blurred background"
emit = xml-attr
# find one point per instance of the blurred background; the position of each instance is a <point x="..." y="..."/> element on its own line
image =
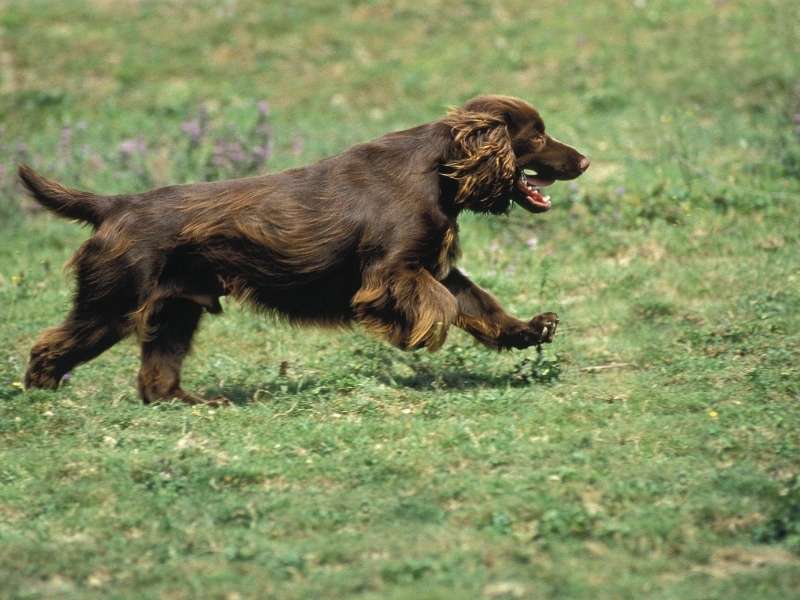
<point x="675" y="101"/>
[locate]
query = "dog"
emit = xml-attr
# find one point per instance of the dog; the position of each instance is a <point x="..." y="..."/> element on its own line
<point x="369" y="236"/>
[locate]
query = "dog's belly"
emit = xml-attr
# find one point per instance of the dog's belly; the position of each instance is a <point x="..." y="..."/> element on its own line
<point x="321" y="297"/>
<point x="312" y="285"/>
<point x="323" y="300"/>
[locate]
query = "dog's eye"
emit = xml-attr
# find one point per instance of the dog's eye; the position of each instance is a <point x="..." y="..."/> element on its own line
<point x="539" y="142"/>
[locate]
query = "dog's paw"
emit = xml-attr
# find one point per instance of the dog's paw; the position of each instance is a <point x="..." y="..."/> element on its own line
<point x="41" y="376"/>
<point x="539" y="330"/>
<point x="544" y="327"/>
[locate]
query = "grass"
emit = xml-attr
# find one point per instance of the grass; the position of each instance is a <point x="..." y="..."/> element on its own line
<point x="651" y="452"/>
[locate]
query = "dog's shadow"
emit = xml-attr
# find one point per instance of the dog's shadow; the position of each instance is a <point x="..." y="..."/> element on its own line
<point x="308" y="389"/>
<point x="452" y="379"/>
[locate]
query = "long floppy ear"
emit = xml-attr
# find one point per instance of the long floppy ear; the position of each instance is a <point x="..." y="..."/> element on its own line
<point x="484" y="165"/>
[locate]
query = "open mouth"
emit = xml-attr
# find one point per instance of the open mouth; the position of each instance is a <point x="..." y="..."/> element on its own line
<point x="530" y="197"/>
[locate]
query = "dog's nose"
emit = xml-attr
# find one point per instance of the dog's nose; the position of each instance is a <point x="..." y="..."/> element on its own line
<point x="584" y="163"/>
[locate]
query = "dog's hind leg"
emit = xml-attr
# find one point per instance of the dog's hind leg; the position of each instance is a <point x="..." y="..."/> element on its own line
<point x="78" y="340"/>
<point x="99" y="319"/>
<point x="171" y="327"/>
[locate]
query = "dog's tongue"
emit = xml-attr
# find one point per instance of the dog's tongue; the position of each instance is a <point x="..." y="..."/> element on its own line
<point x="532" y="199"/>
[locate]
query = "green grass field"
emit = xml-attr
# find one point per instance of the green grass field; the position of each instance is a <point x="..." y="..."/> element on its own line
<point x="652" y="452"/>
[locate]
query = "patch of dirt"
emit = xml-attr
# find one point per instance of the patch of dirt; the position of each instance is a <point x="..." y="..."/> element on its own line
<point x="728" y="562"/>
<point x="738" y="523"/>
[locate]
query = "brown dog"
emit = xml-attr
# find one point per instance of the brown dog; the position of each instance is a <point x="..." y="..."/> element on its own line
<point x="368" y="236"/>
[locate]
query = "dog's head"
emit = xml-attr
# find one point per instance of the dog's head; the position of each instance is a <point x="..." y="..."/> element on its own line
<point x="501" y="153"/>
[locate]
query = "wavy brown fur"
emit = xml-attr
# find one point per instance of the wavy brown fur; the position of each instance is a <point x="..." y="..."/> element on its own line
<point x="367" y="236"/>
<point x="485" y="166"/>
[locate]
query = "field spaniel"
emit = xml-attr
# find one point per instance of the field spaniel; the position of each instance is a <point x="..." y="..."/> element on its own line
<point x="368" y="236"/>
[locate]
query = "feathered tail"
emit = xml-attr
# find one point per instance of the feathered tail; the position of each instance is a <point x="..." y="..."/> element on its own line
<point x="66" y="202"/>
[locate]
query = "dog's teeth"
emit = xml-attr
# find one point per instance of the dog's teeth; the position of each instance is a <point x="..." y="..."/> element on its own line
<point x="547" y="198"/>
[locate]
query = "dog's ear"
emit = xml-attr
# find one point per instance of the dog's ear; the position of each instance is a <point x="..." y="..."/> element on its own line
<point x="482" y="160"/>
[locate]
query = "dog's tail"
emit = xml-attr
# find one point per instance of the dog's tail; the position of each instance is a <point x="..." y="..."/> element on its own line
<point x="66" y="202"/>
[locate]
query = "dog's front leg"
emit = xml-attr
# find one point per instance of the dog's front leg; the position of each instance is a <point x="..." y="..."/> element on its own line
<point x="483" y="317"/>
<point x="406" y="306"/>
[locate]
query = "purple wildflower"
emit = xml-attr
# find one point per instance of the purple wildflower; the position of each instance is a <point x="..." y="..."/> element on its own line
<point x="196" y="128"/>
<point x="262" y="128"/>
<point x="228" y="154"/>
<point x="132" y="147"/>
<point x="193" y="129"/>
